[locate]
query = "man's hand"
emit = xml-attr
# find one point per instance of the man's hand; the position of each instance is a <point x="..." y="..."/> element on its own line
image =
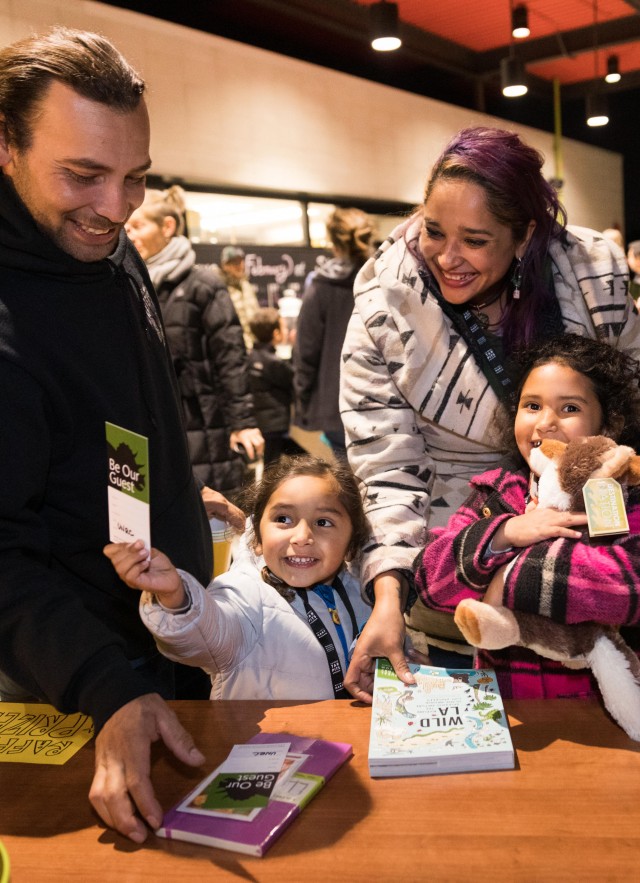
<point x="383" y="635"/>
<point x="218" y="506"/>
<point x="121" y="790"/>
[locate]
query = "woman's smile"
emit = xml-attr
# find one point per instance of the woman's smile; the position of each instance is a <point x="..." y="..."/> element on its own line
<point x="467" y="251"/>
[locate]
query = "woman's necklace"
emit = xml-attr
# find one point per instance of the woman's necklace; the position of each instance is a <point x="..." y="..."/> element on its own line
<point x="476" y="309"/>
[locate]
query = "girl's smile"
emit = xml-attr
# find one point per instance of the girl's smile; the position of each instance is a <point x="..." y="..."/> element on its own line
<point x="305" y="531"/>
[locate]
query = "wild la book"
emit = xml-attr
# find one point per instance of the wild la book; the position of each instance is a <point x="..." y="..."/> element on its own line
<point x="452" y="720"/>
<point x="309" y="764"/>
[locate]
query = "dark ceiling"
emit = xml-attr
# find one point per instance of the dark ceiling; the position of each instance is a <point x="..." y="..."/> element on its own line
<point x="452" y="50"/>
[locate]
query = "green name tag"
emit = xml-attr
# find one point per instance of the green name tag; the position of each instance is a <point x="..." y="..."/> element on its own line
<point x="606" y="513"/>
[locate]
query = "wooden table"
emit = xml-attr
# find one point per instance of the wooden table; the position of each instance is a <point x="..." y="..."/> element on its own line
<point x="569" y="811"/>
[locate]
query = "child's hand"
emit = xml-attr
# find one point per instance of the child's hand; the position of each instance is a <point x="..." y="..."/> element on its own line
<point x="155" y="574"/>
<point x="537" y="525"/>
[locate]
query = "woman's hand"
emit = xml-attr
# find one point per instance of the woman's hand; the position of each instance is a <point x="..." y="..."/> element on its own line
<point x="383" y="635"/>
<point x="153" y="573"/>
<point x="536" y="525"/>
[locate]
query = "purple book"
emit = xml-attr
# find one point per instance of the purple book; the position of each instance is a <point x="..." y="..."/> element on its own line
<point x="309" y="764"/>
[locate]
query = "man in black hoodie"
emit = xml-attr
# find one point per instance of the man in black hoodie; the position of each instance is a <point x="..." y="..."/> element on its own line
<point x="82" y="343"/>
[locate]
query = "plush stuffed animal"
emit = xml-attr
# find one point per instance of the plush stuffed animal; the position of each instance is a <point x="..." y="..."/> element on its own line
<point x="563" y="470"/>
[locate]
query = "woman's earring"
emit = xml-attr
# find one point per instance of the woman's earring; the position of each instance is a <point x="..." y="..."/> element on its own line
<point x="516" y="279"/>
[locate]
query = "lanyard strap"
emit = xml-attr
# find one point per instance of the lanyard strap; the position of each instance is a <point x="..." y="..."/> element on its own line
<point x="324" y="639"/>
<point x="485" y="347"/>
<point x="326" y="594"/>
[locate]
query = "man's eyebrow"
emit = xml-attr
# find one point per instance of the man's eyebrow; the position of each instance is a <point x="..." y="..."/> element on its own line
<point x="92" y="165"/>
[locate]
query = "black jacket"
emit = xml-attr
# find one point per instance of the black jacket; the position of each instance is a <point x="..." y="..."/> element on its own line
<point x="210" y="359"/>
<point x="272" y="387"/>
<point x="327" y="306"/>
<point x="76" y="350"/>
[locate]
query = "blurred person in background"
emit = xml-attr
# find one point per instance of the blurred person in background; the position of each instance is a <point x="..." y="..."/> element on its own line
<point x="206" y="341"/>
<point x="327" y="305"/>
<point x="271" y="381"/>
<point x="243" y="293"/>
<point x="633" y="259"/>
<point x="614" y="235"/>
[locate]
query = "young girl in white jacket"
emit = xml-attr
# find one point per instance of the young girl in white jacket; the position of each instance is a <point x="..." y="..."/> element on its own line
<point x="281" y="623"/>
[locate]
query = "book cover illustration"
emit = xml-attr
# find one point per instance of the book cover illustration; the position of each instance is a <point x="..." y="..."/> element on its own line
<point x="309" y="764"/>
<point x="452" y="720"/>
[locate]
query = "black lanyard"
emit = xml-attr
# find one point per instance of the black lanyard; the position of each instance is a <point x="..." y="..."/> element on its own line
<point x="324" y="638"/>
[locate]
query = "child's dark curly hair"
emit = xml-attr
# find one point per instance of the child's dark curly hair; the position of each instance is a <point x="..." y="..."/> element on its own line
<point x="615" y="377"/>
<point x="256" y="498"/>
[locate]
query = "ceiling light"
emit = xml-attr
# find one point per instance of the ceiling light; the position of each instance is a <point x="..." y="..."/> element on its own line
<point x="513" y="77"/>
<point x="613" y="71"/>
<point x="384" y="26"/>
<point x="520" y="22"/>
<point x="597" y="111"/>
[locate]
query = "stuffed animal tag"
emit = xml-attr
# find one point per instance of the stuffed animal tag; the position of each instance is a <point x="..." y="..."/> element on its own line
<point x="604" y="503"/>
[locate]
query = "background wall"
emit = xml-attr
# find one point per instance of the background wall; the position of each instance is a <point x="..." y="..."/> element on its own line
<point x="229" y="114"/>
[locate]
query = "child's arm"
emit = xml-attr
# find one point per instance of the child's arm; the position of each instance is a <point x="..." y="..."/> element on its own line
<point x="155" y="574"/>
<point x="582" y="580"/>
<point x="457" y="561"/>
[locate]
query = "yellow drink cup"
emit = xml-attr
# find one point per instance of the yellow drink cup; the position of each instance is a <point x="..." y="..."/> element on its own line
<point x="221" y="538"/>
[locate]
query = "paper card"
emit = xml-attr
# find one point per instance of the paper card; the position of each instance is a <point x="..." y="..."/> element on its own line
<point x="39" y="733"/>
<point x="128" y="487"/>
<point x="243" y="782"/>
<point x="604" y="503"/>
<point x="291" y="764"/>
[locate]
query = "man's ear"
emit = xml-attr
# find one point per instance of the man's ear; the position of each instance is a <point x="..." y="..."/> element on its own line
<point x="6" y="154"/>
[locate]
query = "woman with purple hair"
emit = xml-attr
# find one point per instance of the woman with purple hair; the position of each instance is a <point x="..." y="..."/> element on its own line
<point x="485" y="265"/>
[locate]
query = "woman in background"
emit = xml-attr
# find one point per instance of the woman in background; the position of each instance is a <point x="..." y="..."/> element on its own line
<point x="206" y="341"/>
<point x="327" y="305"/>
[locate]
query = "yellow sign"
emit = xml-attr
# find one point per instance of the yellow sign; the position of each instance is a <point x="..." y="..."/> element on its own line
<point x="604" y="502"/>
<point x="34" y="733"/>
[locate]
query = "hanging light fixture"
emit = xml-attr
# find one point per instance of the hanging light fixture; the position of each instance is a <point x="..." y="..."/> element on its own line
<point x="513" y="77"/>
<point x="520" y="22"/>
<point x="384" y="24"/>
<point x="613" y="70"/>
<point x="597" y="111"/>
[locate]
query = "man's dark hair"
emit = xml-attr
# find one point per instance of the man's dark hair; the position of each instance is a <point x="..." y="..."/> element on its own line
<point x="86" y="62"/>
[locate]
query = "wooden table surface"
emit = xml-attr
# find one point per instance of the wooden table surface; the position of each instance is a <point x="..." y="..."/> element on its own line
<point x="569" y="811"/>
